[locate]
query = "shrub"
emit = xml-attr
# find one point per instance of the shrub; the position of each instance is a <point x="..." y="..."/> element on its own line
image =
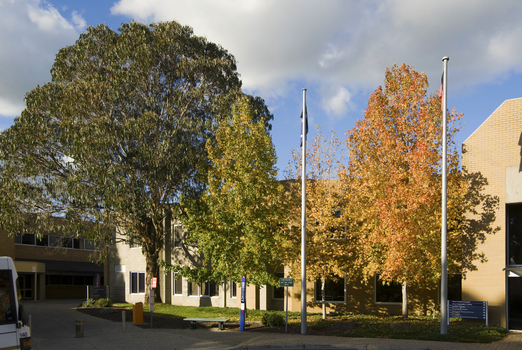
<point x="88" y="303"/>
<point x="273" y="319"/>
<point x="103" y="303"/>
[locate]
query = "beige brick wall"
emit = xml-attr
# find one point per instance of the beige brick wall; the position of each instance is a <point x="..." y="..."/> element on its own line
<point x="7" y="245"/>
<point x="494" y="146"/>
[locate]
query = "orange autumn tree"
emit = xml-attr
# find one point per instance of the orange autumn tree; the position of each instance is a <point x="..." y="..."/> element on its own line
<point x="330" y="243"/>
<point x="395" y="180"/>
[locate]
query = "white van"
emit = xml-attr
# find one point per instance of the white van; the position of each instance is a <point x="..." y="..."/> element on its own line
<point x="14" y="332"/>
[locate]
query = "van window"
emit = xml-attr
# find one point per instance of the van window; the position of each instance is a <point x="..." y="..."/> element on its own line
<point x="7" y="303"/>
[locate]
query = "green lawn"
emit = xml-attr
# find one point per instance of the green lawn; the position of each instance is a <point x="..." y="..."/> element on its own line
<point x="367" y="326"/>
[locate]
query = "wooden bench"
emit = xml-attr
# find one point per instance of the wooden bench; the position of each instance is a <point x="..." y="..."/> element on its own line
<point x="193" y="321"/>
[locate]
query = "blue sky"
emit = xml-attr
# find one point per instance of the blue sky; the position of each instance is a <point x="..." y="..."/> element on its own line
<point x="337" y="49"/>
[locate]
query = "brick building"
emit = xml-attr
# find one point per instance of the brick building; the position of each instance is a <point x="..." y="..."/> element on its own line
<point x="494" y="150"/>
<point x="52" y="266"/>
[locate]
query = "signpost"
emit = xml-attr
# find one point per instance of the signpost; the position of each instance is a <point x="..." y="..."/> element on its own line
<point x="243" y="304"/>
<point x="153" y="284"/>
<point x="468" y="309"/>
<point x="286" y="282"/>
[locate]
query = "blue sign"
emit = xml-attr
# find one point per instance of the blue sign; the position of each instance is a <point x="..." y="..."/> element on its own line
<point x="243" y="304"/>
<point x="468" y="309"/>
<point x="243" y="289"/>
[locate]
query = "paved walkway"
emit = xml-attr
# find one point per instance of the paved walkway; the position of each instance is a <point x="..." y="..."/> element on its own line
<point x="54" y="327"/>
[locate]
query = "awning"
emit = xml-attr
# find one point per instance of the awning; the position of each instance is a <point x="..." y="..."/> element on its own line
<point x="51" y="266"/>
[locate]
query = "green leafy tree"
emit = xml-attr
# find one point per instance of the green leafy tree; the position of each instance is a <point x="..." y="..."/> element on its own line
<point x="119" y="134"/>
<point x="237" y="222"/>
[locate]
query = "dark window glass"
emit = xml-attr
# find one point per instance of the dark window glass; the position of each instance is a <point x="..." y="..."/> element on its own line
<point x="88" y="244"/>
<point x="18" y="238"/>
<point x="75" y="243"/>
<point x="514" y="219"/>
<point x="55" y="279"/>
<point x="42" y="241"/>
<point x="233" y="289"/>
<point x="178" y="285"/>
<point x="79" y="280"/>
<point x="389" y="292"/>
<point x="455" y="287"/>
<point x="141" y="283"/>
<point x="279" y="292"/>
<point x="134" y="282"/>
<point x="333" y="290"/>
<point x="193" y="289"/>
<point x="177" y="235"/>
<point x="67" y="280"/>
<point x="28" y="238"/>
<point x="89" y="280"/>
<point x="214" y="289"/>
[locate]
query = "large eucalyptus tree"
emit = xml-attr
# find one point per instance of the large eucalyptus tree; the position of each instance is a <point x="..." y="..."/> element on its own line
<point x="119" y="133"/>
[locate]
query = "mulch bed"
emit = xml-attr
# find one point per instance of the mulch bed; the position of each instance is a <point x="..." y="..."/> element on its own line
<point x="162" y="322"/>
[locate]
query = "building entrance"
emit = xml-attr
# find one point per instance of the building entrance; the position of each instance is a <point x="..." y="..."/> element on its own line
<point x="514" y="302"/>
<point x="26" y="283"/>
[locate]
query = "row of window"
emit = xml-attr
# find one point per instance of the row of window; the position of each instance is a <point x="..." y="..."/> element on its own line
<point x="72" y="280"/>
<point x="137" y="286"/>
<point x="334" y="290"/>
<point x="54" y="241"/>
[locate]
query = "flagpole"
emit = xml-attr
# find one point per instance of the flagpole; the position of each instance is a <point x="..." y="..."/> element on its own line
<point x="444" y="233"/>
<point x="303" y="218"/>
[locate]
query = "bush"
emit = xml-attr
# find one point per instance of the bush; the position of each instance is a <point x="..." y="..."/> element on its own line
<point x="103" y="303"/>
<point x="273" y="319"/>
<point x="88" y="303"/>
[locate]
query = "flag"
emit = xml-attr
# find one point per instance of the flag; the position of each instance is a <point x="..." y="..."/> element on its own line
<point x="306" y="126"/>
<point x="441" y="91"/>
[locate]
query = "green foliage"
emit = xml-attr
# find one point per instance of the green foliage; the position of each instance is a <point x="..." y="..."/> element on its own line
<point x="102" y="302"/>
<point x="272" y="319"/>
<point x="119" y="134"/>
<point x="97" y="303"/>
<point x="88" y="303"/>
<point x="236" y="222"/>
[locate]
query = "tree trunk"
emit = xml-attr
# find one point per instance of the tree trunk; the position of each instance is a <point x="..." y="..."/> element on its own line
<point x="323" y="296"/>
<point x="152" y="270"/>
<point x="404" y="300"/>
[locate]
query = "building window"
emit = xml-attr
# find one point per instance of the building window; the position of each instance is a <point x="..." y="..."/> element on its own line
<point x="233" y="289"/>
<point x="137" y="282"/>
<point x="514" y="223"/>
<point x="177" y="235"/>
<point x="279" y="292"/>
<point x="387" y="292"/>
<point x="209" y="289"/>
<point x="193" y="289"/>
<point x="206" y="289"/>
<point x="455" y="287"/>
<point x="178" y="284"/>
<point x="333" y="290"/>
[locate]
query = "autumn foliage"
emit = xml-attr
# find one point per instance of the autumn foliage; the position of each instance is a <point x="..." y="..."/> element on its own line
<point x="395" y="179"/>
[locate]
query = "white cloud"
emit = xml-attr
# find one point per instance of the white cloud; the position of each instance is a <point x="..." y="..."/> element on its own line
<point x="78" y="21"/>
<point x="31" y="33"/>
<point x="349" y="43"/>
<point x="337" y="101"/>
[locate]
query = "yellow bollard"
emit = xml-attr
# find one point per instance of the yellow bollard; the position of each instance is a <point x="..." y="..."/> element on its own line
<point x="137" y="313"/>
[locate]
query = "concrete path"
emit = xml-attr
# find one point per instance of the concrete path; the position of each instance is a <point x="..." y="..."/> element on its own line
<point x="54" y="328"/>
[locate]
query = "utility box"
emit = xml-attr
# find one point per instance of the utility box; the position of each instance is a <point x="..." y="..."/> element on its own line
<point x="137" y="313"/>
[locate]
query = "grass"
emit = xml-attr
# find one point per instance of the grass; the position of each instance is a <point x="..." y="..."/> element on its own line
<point x="366" y="326"/>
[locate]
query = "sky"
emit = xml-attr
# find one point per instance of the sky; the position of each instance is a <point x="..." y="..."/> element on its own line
<point x="336" y="49"/>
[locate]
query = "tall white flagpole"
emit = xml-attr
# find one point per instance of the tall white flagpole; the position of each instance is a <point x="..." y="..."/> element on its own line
<point x="444" y="233"/>
<point x="303" y="218"/>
